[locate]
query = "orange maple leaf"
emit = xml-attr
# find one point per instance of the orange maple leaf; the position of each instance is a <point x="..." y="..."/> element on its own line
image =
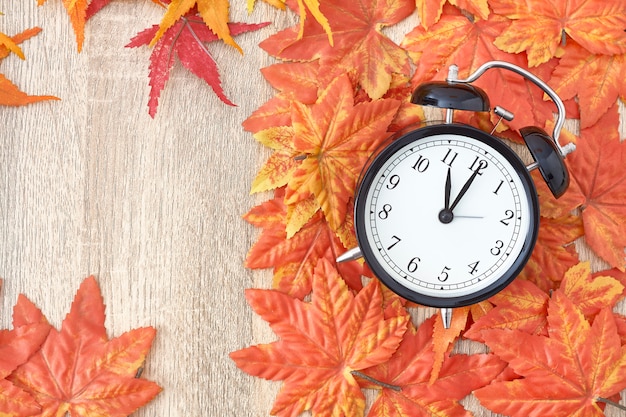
<point x="16" y="346"/>
<point x="597" y="188"/>
<point x="359" y="47"/>
<point x="77" y="12"/>
<point x="554" y="251"/>
<point x="78" y="370"/>
<point x="563" y="374"/>
<point x="322" y="343"/>
<point x="10" y="94"/>
<point x="324" y="150"/>
<point x="408" y="389"/>
<point x="524" y="306"/>
<point x="597" y="81"/>
<point x="430" y="11"/>
<point x="458" y="40"/>
<point x="539" y="27"/>
<point x="294" y="257"/>
<point x="213" y="12"/>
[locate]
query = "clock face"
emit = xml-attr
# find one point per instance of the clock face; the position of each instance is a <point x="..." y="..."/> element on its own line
<point x="446" y="215"/>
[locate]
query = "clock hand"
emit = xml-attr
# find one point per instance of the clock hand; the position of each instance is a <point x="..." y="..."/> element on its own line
<point x="466" y="187"/>
<point x="447" y="191"/>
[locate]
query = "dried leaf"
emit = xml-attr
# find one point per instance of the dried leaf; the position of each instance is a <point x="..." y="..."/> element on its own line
<point x="78" y="370"/>
<point x="322" y="342"/>
<point x="77" y="12"/>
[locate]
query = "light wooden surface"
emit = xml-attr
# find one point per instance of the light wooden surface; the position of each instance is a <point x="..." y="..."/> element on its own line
<point x="152" y="208"/>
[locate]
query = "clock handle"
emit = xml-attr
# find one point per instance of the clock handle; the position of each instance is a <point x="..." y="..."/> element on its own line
<point x="563" y="150"/>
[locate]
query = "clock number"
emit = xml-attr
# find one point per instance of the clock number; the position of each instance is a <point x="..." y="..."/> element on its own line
<point x="473" y="267"/>
<point x="443" y="277"/>
<point x="384" y="213"/>
<point x="413" y="264"/>
<point x="450" y="154"/>
<point x="394" y="180"/>
<point x="496" y="250"/>
<point x="479" y="165"/>
<point x="422" y="164"/>
<point x="509" y="215"/>
<point x="397" y="240"/>
<point x="498" y="187"/>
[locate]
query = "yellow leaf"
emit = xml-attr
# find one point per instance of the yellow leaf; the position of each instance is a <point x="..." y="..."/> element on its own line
<point x="213" y="12"/>
<point x="7" y="42"/>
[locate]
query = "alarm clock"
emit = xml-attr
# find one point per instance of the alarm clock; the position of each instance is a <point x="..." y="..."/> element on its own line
<point x="447" y="215"/>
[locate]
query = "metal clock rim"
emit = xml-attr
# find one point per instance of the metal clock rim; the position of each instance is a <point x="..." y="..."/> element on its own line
<point x="376" y="164"/>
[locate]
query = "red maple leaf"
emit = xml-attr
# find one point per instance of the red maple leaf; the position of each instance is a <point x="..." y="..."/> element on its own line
<point x="359" y="46"/>
<point x="186" y="40"/>
<point x="79" y="370"/>
<point x="322" y="343"/>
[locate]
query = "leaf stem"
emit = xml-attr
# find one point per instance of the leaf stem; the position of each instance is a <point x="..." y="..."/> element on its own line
<point x="375" y="381"/>
<point x="612" y="403"/>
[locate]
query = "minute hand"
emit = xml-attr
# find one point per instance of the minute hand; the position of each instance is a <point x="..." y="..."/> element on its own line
<point x="466" y="187"/>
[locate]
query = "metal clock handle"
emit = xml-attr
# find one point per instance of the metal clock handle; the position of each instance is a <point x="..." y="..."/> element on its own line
<point x="453" y="78"/>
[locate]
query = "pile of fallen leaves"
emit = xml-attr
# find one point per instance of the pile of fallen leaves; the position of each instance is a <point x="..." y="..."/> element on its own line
<point x="556" y="346"/>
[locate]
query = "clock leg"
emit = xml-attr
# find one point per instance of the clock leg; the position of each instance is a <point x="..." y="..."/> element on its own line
<point x="351" y="255"/>
<point x="446" y="316"/>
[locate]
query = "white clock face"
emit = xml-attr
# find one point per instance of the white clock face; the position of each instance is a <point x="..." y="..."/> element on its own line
<point x="447" y="216"/>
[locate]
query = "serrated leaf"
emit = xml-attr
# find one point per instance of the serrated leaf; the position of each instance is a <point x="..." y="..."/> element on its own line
<point x="321" y="343"/>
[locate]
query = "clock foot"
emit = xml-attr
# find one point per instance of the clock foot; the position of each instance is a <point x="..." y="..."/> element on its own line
<point x="351" y="255"/>
<point x="446" y="317"/>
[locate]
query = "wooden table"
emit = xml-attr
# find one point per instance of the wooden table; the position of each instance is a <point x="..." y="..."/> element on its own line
<point x="152" y="207"/>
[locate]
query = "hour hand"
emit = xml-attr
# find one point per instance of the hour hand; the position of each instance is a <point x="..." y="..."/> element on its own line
<point x="447" y="191"/>
<point x="445" y="215"/>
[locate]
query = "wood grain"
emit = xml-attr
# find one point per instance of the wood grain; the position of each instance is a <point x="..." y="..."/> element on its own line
<point x="151" y="207"/>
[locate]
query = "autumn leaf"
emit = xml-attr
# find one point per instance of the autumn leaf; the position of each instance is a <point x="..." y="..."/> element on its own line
<point x="359" y="47"/>
<point x="408" y="389"/>
<point x="554" y="251"/>
<point x="322" y="343"/>
<point x="468" y="44"/>
<point x="10" y="94"/>
<point x="523" y="306"/>
<point x="597" y="189"/>
<point x="294" y="258"/>
<point x="77" y="12"/>
<point x="184" y="39"/>
<point x="329" y="142"/>
<point x="540" y="27"/>
<point x="16" y="347"/>
<point x="214" y="13"/>
<point x="430" y="11"/>
<point x="596" y="80"/>
<point x="80" y="371"/>
<point x="563" y="374"/>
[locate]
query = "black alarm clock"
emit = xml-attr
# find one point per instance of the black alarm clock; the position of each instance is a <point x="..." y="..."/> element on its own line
<point x="447" y="215"/>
